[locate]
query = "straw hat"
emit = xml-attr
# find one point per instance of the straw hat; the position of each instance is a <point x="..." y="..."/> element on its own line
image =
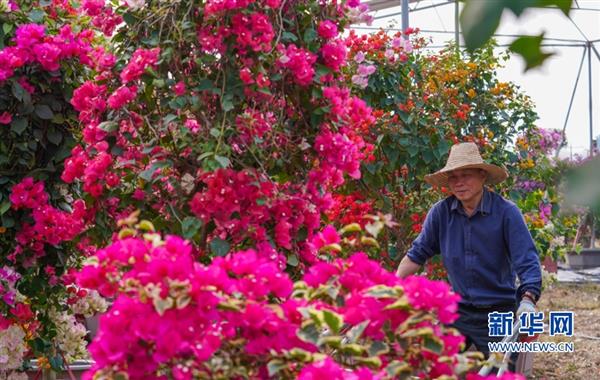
<point x="466" y="156"/>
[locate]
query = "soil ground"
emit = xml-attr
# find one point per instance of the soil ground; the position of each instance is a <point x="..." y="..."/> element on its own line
<point x="584" y="363"/>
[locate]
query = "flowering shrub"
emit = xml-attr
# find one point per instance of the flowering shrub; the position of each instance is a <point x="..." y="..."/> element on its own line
<point x="227" y="124"/>
<point x="243" y="316"/>
<point x="44" y="53"/>
<point x="231" y="127"/>
<point x="537" y="192"/>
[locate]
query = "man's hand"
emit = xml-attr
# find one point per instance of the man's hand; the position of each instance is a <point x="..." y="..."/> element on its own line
<point x="526" y="306"/>
<point x="407" y="267"/>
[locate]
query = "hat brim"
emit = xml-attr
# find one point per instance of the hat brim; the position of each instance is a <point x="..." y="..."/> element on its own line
<point x="496" y="174"/>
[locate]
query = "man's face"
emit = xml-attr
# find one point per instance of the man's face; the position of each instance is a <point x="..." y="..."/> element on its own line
<point x="466" y="184"/>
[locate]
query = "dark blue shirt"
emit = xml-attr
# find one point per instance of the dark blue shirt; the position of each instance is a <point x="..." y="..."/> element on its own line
<point x="482" y="253"/>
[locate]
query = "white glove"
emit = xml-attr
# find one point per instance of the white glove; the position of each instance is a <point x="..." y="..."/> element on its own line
<point x="526" y="306"/>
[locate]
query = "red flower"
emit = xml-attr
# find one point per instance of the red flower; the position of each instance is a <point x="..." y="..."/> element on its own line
<point x="22" y="312"/>
<point x="5" y="118"/>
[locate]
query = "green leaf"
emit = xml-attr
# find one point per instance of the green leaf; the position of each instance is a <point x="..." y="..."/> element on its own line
<point x="54" y="136"/>
<point x="421" y="332"/>
<point x="7" y="221"/>
<point x="205" y="84"/>
<point x="433" y="345"/>
<point x="371" y="362"/>
<point x="190" y="226"/>
<point x="309" y="333"/>
<point x="58" y="119"/>
<point x="287" y="36"/>
<point x="398" y="369"/>
<point x="412" y="150"/>
<point x="146" y="175"/>
<point x="352" y="349"/>
<point x="310" y="35"/>
<point x="274" y="366"/>
<point x="443" y="148"/>
<point x="391" y="153"/>
<point x="331" y="341"/>
<point x="108" y="126"/>
<point x="129" y="18"/>
<point x="378" y="348"/>
<point x="169" y="118"/>
<point x="355" y="332"/>
<point x="204" y="155"/>
<point x="292" y="260"/>
<point x="428" y="156"/>
<point x="227" y="104"/>
<point x="219" y="246"/>
<point x="298" y="354"/>
<point x="371" y="167"/>
<point x="518" y="6"/>
<point x="564" y="5"/>
<point x="393" y="251"/>
<point x="6" y="28"/>
<point x="56" y="363"/>
<point x="479" y="20"/>
<point x="178" y="103"/>
<point x="36" y="15"/>
<point x="334" y="321"/>
<point x="39" y="345"/>
<point x="514" y="195"/>
<point x="215" y="132"/>
<point x="382" y="291"/>
<point x="4" y="207"/>
<point x="223" y="161"/>
<point x="20" y="93"/>
<point x="529" y="47"/>
<point x="44" y="112"/>
<point x="322" y="110"/>
<point x="18" y="125"/>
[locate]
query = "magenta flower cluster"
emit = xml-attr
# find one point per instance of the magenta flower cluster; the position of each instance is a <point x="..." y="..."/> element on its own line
<point x="172" y="313"/>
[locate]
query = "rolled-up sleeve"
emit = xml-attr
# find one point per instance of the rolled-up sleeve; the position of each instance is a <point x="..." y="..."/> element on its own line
<point x="426" y="245"/>
<point x="522" y="251"/>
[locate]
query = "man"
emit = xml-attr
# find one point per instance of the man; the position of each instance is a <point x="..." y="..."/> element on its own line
<point x="484" y="243"/>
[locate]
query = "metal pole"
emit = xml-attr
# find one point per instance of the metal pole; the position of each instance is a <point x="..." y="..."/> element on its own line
<point x="414" y="10"/>
<point x="405" y="17"/>
<point x="593" y="216"/>
<point x="595" y="51"/>
<point x="593" y="232"/>
<point x="456" y="27"/>
<point x="590" y="108"/>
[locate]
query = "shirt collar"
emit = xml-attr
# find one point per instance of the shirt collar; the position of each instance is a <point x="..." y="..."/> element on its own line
<point x="485" y="204"/>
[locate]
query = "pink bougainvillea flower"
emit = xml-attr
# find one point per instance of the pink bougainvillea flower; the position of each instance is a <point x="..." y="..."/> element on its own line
<point x="432" y="296"/>
<point x="179" y="89"/>
<point x="334" y="54"/>
<point x="327" y="29"/>
<point x="300" y="62"/>
<point x="192" y="125"/>
<point x="324" y="369"/>
<point x="5" y="117"/>
<point x="122" y="96"/>
<point x="29" y="35"/>
<point x="140" y="60"/>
